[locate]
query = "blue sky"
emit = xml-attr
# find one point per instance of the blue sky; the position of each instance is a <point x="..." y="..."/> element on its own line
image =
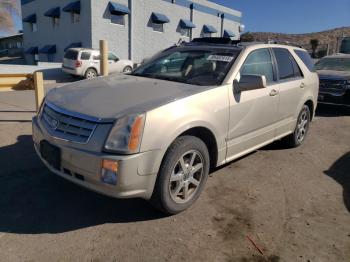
<point x="291" y="16"/>
<point x="287" y="16"/>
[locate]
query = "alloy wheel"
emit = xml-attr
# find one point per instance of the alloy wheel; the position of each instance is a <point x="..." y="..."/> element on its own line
<point x="186" y="176"/>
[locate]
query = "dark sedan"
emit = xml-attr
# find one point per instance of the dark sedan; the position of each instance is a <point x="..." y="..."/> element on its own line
<point x="334" y="73"/>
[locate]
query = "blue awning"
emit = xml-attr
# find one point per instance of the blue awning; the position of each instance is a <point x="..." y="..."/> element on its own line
<point x="229" y="33"/>
<point x="30" y="19"/>
<point x="32" y="51"/>
<point x="53" y="12"/>
<point x="73" y="7"/>
<point x="72" y="45"/>
<point x="48" y="49"/>
<point x="159" y="18"/>
<point x="118" y="9"/>
<point x="187" y="24"/>
<point x="209" y="29"/>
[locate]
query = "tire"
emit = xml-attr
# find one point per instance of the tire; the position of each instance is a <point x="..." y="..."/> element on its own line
<point x="171" y="197"/>
<point x="127" y="69"/>
<point x="90" y="73"/>
<point x="301" y="129"/>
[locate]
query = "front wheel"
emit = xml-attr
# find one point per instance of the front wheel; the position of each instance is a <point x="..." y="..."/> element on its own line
<point x="301" y="129"/>
<point x="182" y="176"/>
<point x="127" y="69"/>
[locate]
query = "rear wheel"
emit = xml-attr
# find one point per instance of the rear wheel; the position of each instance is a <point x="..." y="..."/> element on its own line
<point x="90" y="73"/>
<point x="301" y="129"/>
<point x="182" y="175"/>
<point x="127" y="69"/>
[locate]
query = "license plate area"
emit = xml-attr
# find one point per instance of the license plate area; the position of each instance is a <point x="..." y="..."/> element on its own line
<point x="51" y="154"/>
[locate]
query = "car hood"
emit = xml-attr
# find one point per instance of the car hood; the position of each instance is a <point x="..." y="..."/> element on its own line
<point x="117" y="95"/>
<point x="333" y="75"/>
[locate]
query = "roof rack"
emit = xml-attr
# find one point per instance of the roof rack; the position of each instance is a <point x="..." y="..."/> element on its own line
<point x="281" y="42"/>
<point x="216" y="40"/>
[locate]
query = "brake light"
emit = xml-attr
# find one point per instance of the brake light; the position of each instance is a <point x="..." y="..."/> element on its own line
<point x="78" y="63"/>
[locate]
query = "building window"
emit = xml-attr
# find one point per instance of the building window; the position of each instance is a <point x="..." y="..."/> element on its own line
<point x="158" y="27"/>
<point x="33" y="27"/>
<point x="207" y="34"/>
<point x="186" y="32"/>
<point x="118" y="19"/>
<point x="75" y="17"/>
<point x="55" y="21"/>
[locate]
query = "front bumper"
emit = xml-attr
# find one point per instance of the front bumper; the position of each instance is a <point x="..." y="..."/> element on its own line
<point x="136" y="174"/>
<point x="339" y="99"/>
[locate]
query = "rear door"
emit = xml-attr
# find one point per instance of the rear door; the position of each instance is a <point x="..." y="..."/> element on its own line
<point x="291" y="89"/>
<point x="253" y="113"/>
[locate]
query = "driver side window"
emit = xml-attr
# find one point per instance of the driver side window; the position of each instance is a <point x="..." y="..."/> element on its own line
<point x="259" y="62"/>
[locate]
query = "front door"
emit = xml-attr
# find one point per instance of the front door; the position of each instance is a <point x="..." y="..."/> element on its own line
<point x="253" y="113"/>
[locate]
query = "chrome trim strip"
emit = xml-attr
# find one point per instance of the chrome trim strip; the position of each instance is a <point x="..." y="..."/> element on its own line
<point x="79" y="115"/>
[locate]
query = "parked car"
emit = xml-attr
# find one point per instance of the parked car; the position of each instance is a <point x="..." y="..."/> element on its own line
<point x="86" y="63"/>
<point x="334" y="73"/>
<point x="156" y="133"/>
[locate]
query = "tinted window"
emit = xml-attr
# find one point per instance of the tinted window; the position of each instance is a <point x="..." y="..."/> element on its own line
<point x="85" y="56"/>
<point x="284" y="63"/>
<point x="71" y="54"/>
<point x="334" y="63"/>
<point x="259" y="62"/>
<point x="306" y="58"/>
<point x="96" y="57"/>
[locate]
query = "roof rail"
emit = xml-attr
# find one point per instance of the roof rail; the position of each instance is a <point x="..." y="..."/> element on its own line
<point x="216" y="40"/>
<point x="282" y="42"/>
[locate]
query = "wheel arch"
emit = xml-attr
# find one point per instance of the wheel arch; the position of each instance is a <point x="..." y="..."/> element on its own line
<point x="311" y="107"/>
<point x="208" y="138"/>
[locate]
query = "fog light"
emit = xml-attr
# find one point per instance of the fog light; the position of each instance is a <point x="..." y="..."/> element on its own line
<point x="109" y="171"/>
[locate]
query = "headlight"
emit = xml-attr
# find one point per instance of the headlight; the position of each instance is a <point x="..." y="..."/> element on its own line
<point x="126" y="134"/>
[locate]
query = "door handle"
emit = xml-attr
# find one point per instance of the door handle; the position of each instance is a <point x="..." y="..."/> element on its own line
<point x="302" y="85"/>
<point x="273" y="92"/>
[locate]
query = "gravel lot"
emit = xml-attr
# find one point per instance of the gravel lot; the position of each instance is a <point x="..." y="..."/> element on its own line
<point x="293" y="204"/>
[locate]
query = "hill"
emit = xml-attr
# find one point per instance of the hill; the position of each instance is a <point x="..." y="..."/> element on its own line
<point x="329" y="39"/>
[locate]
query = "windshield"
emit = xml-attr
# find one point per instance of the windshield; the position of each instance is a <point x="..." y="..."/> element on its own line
<point x="336" y="64"/>
<point x="191" y="66"/>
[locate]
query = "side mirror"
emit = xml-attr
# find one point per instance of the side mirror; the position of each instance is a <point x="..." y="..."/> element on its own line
<point x="116" y="60"/>
<point x="251" y="82"/>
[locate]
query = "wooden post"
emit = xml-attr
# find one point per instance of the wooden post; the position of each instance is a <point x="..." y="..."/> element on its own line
<point x="104" y="57"/>
<point x="39" y="89"/>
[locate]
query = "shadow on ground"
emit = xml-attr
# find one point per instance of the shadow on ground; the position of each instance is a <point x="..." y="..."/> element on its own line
<point x="340" y="172"/>
<point x="34" y="201"/>
<point x="324" y="110"/>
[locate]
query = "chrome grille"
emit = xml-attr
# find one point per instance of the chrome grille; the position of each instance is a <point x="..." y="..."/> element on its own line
<point x="332" y="85"/>
<point x="66" y="126"/>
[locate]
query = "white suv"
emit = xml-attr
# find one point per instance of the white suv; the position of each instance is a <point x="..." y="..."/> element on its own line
<point x="86" y="62"/>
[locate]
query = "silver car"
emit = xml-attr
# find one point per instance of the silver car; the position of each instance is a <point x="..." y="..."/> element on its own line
<point x="157" y="133"/>
<point x="86" y="63"/>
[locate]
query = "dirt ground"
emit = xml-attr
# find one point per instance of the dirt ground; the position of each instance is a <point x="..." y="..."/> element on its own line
<point x="293" y="204"/>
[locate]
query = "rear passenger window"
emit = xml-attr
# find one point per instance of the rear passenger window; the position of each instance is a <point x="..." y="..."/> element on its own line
<point x="96" y="57"/>
<point x="286" y="64"/>
<point x="306" y="58"/>
<point x="259" y="62"/>
<point x="85" y="56"/>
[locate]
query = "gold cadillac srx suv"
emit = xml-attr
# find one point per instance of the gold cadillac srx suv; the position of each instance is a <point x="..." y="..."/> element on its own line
<point x="157" y="132"/>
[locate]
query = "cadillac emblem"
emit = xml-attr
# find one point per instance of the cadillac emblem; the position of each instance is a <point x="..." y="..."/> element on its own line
<point x="54" y="124"/>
